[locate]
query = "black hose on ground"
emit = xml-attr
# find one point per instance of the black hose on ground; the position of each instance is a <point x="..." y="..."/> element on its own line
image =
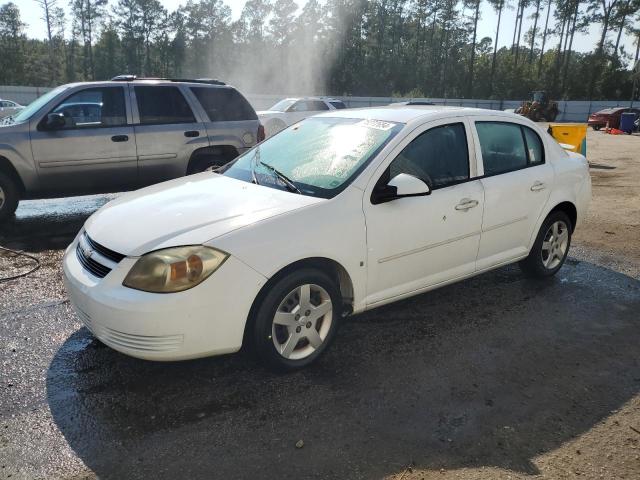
<point x="20" y="254"/>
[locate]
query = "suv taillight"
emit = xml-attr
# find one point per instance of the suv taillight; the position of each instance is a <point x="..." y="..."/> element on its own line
<point x="261" y="134"/>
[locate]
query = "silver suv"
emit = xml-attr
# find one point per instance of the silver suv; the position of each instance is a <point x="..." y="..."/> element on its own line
<point x="123" y="134"/>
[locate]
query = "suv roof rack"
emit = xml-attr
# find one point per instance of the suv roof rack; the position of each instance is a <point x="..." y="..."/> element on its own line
<point x="131" y="78"/>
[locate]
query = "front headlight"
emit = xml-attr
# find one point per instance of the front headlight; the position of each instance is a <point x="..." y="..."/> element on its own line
<point x="174" y="269"/>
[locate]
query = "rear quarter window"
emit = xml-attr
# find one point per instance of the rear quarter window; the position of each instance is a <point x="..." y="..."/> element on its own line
<point x="224" y="104"/>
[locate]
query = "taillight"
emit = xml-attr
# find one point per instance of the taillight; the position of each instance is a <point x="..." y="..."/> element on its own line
<point x="261" y="134"/>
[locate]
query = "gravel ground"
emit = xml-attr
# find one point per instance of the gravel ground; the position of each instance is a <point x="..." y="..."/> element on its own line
<point x="494" y="377"/>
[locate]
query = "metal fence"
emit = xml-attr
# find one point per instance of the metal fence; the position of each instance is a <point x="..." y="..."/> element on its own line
<point x="570" y="111"/>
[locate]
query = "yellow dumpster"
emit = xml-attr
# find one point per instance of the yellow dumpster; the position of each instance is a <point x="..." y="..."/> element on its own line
<point x="571" y="136"/>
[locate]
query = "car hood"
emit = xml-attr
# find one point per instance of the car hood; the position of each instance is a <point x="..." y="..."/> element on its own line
<point x="187" y="211"/>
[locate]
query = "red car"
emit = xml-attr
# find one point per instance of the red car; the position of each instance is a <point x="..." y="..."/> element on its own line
<point x="611" y="115"/>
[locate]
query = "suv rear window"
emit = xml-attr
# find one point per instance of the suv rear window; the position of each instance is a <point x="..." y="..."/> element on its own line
<point x="224" y="104"/>
<point x="162" y="105"/>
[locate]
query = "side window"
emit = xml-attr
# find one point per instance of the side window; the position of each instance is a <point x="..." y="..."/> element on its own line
<point x="317" y="105"/>
<point x="224" y="104"/>
<point x="503" y="148"/>
<point x="439" y="156"/>
<point x="338" y="105"/>
<point x="162" y="105"/>
<point x="535" y="148"/>
<point x="94" y="107"/>
<point x="299" y="106"/>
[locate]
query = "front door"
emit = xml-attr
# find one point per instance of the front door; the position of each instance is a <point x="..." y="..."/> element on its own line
<point x="94" y="151"/>
<point x="417" y="242"/>
<point x="167" y="133"/>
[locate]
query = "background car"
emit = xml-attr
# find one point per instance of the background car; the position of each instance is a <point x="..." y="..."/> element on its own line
<point x="611" y="116"/>
<point x="347" y="211"/>
<point x="9" y="107"/>
<point x="118" y="135"/>
<point x="291" y="110"/>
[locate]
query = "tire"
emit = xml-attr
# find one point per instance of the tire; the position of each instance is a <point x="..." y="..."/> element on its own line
<point x="596" y="127"/>
<point x="9" y="196"/>
<point x="551" y="247"/>
<point x="204" y="163"/>
<point x="274" y="126"/>
<point x="287" y="344"/>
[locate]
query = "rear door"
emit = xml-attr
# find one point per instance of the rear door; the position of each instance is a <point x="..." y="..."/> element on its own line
<point x="94" y="151"/>
<point x="517" y="182"/>
<point x="167" y="132"/>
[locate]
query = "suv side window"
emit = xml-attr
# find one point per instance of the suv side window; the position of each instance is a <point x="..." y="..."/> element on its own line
<point x="159" y="105"/>
<point x="94" y="107"/>
<point x="224" y="104"/>
<point x="439" y="156"/>
<point x="508" y="146"/>
<point x="338" y="104"/>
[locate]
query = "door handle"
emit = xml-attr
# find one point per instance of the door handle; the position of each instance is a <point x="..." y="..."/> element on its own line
<point x="192" y="133"/>
<point x="537" y="186"/>
<point x="120" y="138"/>
<point x="466" y="204"/>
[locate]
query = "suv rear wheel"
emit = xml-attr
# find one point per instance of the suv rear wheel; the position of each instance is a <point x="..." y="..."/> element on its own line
<point x="8" y="196"/>
<point x="208" y="161"/>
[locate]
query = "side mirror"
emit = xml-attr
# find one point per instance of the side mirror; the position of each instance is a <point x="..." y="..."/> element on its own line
<point x="401" y="186"/>
<point x="55" y="121"/>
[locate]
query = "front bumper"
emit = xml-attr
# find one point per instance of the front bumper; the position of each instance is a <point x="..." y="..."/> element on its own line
<point x="206" y="320"/>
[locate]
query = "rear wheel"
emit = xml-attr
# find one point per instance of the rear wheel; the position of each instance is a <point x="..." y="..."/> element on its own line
<point x="9" y="196"/>
<point x="596" y="127"/>
<point x="296" y="320"/>
<point x="551" y="247"/>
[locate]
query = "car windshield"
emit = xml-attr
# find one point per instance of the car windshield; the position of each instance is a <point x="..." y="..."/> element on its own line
<point x="320" y="156"/>
<point x="282" y="105"/>
<point x="27" y="112"/>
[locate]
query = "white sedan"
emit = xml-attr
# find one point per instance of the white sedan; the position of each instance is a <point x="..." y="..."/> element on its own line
<point x="341" y="213"/>
<point x="291" y="110"/>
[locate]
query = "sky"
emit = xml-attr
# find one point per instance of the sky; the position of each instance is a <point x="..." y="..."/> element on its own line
<point x="31" y="15"/>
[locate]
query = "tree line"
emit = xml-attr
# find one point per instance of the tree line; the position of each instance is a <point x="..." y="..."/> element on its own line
<point x="418" y="48"/>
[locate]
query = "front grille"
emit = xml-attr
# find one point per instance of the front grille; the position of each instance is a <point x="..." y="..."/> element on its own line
<point x="104" y="251"/>
<point x="95" y="258"/>
<point x="95" y="268"/>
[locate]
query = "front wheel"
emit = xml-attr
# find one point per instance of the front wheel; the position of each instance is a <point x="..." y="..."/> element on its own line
<point x="296" y="320"/>
<point x="9" y="196"/>
<point x="551" y="247"/>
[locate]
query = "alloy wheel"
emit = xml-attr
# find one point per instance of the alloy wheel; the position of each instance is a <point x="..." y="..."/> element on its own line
<point x="302" y="321"/>
<point x="555" y="244"/>
<point x="2" y="197"/>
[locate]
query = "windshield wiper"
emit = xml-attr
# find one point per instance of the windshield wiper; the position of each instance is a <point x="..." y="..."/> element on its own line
<point x="290" y="185"/>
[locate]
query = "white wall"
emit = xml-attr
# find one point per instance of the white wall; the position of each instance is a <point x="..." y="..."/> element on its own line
<point x="570" y="111"/>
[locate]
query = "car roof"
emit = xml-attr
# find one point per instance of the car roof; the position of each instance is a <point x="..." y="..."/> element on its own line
<point x="408" y="113"/>
<point x="612" y="110"/>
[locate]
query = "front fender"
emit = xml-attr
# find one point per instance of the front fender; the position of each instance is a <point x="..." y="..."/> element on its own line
<point x="22" y="161"/>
